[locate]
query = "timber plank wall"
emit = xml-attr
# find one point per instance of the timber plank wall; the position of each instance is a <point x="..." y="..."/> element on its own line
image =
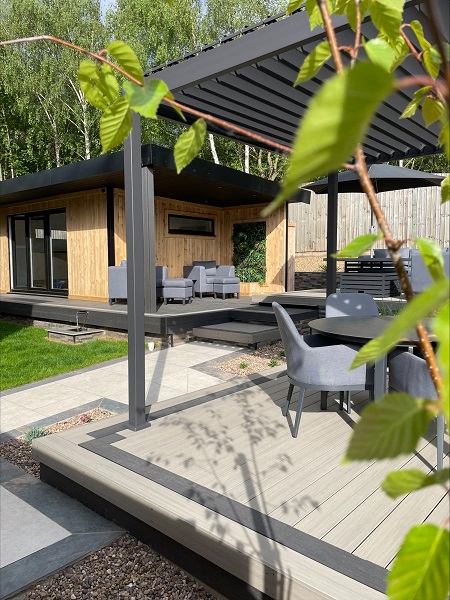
<point x="87" y="242"/>
<point x="175" y="251"/>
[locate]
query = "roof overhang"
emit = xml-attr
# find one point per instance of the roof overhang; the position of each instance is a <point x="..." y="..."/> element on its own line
<point x="247" y="79"/>
<point x="201" y="182"/>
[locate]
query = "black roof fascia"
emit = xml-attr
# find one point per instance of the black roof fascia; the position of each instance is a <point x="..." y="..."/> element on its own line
<point x="107" y="169"/>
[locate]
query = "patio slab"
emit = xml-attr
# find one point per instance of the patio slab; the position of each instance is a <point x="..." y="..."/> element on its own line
<point x="42" y="530"/>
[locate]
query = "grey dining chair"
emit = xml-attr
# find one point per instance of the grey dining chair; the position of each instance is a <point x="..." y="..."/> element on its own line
<point x="313" y="364"/>
<point x="350" y="305"/>
<point x="409" y="373"/>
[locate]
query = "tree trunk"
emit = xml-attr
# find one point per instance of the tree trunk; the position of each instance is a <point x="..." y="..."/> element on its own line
<point x="213" y="149"/>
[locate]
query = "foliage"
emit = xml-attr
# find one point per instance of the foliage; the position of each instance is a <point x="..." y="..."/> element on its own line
<point x="26" y="355"/>
<point x="33" y="433"/>
<point x="243" y="365"/>
<point x="249" y="251"/>
<point x="273" y="362"/>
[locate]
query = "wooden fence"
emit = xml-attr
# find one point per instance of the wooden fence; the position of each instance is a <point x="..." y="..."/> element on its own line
<point x="410" y="213"/>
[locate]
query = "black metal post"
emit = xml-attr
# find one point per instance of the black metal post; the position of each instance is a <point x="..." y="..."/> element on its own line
<point x="332" y="215"/>
<point x="134" y="213"/>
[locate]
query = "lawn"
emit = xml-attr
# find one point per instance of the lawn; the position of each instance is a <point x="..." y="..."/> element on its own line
<point x="27" y="355"/>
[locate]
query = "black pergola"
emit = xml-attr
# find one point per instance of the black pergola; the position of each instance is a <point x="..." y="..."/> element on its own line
<point x="247" y="79"/>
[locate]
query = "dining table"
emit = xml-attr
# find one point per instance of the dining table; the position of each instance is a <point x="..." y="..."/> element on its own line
<point x="359" y="331"/>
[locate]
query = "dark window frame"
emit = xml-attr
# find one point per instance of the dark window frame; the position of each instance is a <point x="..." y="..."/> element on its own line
<point x="49" y="290"/>
<point x="177" y="231"/>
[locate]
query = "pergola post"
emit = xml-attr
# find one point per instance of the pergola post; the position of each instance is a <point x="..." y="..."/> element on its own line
<point x="135" y="224"/>
<point x="332" y="214"/>
<point x="148" y="195"/>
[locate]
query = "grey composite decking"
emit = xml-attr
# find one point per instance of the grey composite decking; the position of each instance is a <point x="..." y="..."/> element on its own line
<point x="221" y="475"/>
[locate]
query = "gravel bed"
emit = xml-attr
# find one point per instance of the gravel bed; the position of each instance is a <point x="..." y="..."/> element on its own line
<point x="255" y="361"/>
<point x="125" y="569"/>
<point x="18" y="452"/>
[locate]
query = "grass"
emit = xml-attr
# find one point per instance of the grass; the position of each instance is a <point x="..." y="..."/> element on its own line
<point x="26" y="355"/>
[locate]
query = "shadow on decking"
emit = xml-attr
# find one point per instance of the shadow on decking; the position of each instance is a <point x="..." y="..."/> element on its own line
<point x="218" y="484"/>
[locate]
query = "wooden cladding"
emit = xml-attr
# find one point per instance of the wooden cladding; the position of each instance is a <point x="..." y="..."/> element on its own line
<point x="87" y="243"/>
<point x="87" y="239"/>
<point x="176" y="250"/>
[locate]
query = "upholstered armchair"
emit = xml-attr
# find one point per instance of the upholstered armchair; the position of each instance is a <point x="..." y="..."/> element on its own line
<point x="205" y="274"/>
<point x="117" y="281"/>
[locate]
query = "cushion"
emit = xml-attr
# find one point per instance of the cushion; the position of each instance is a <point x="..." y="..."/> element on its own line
<point x="178" y="282"/>
<point x="226" y="280"/>
<point x="210" y="266"/>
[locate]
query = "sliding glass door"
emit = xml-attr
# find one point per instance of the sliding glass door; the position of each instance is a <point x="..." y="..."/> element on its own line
<point x="39" y="252"/>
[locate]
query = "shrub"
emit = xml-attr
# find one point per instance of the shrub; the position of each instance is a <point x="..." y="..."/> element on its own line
<point x="273" y="363"/>
<point x="249" y="251"/>
<point x="243" y="365"/>
<point x="33" y="433"/>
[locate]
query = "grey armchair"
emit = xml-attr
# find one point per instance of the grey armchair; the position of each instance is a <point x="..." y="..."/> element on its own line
<point x="350" y="305"/>
<point x="420" y="277"/>
<point x="313" y="364"/>
<point x="409" y="373"/>
<point x="205" y="274"/>
<point x="117" y="281"/>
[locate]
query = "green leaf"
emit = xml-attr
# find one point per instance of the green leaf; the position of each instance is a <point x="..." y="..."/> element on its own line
<point x="127" y="59"/>
<point x="432" y="110"/>
<point x="146" y="100"/>
<point x="389" y="427"/>
<point x="313" y="10"/>
<point x="337" y="119"/>
<point x="403" y="482"/>
<point x="98" y="83"/>
<point x="387" y="16"/>
<point x="294" y="5"/>
<point x="445" y="187"/>
<point x="421" y="569"/>
<point x="359" y="245"/>
<point x="380" y="53"/>
<point x="432" y="62"/>
<point x="416" y="26"/>
<point x="410" y="110"/>
<point x="401" y="51"/>
<point x="189" y="144"/>
<point x="416" y="310"/>
<point x="441" y="328"/>
<point x="313" y="62"/>
<point x="348" y="8"/>
<point x="115" y="124"/>
<point x="444" y="139"/>
<point x="432" y="256"/>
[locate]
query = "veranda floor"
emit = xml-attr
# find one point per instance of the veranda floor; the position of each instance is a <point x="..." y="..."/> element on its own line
<point x="220" y="474"/>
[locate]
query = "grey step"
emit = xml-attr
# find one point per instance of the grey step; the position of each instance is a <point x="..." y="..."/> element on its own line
<point x="265" y="314"/>
<point x="239" y="333"/>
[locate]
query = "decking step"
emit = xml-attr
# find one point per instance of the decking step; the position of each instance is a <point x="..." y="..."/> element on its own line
<point x="249" y="334"/>
<point x="265" y="314"/>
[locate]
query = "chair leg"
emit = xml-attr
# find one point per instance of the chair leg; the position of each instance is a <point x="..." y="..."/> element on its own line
<point x="349" y="403"/>
<point x="371" y="395"/>
<point x="165" y="300"/>
<point x="323" y="400"/>
<point x="299" y="412"/>
<point x="341" y="400"/>
<point x="440" y="422"/>
<point x="215" y="296"/>
<point x="288" y="400"/>
<point x="238" y="295"/>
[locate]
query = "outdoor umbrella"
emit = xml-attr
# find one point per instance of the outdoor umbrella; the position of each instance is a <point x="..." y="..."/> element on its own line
<point x="385" y="178"/>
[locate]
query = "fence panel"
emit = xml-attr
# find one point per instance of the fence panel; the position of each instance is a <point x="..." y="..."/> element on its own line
<point x="410" y="213"/>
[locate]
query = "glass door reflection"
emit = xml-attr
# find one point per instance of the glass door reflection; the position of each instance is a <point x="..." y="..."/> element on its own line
<point x="38" y="267"/>
<point x="58" y="251"/>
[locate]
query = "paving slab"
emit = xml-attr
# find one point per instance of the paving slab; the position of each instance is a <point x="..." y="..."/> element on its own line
<point x="42" y="530"/>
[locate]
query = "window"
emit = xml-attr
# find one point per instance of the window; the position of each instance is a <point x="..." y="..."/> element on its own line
<point x="191" y="225"/>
